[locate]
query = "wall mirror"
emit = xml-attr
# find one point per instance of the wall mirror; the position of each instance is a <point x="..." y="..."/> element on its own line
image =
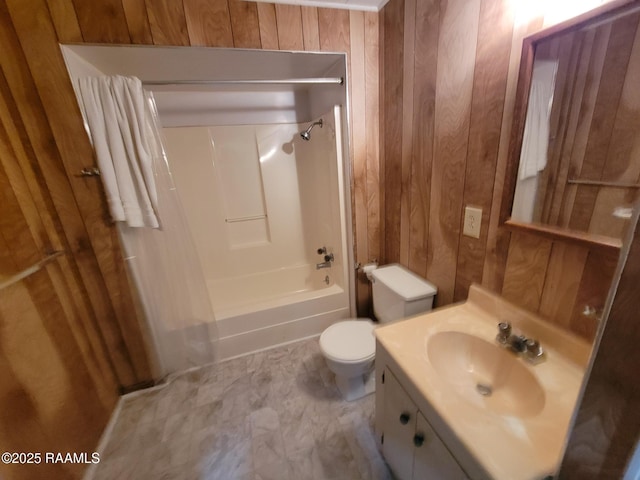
<point x="575" y="149"/>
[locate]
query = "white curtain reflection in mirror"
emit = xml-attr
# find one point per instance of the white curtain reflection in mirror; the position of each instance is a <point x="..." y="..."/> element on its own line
<point x="535" y="142"/>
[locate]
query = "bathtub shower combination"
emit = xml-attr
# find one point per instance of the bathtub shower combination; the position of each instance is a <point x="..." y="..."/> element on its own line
<point x="266" y="208"/>
<point x="255" y="195"/>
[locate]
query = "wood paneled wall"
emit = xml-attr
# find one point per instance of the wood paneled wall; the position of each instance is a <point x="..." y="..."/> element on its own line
<point x="449" y="84"/>
<point x="607" y="425"/>
<point x="35" y="93"/>
<point x="76" y="320"/>
<point x="445" y="70"/>
<point x="564" y="283"/>
<point x="69" y="336"/>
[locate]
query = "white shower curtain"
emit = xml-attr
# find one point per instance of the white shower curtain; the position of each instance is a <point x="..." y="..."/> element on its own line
<point x="162" y="261"/>
<point x="114" y="111"/>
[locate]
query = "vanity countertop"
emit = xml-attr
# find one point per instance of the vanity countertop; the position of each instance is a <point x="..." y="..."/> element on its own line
<point x="510" y="446"/>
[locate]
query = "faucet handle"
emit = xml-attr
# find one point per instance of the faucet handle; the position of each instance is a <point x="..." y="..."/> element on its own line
<point x="534" y="353"/>
<point x="533" y="347"/>
<point x="504" y="332"/>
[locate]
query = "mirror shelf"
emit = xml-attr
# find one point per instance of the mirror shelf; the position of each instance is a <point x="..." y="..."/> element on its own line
<point x="589" y="240"/>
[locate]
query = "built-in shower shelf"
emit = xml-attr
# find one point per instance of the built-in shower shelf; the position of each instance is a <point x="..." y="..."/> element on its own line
<point x="244" y="219"/>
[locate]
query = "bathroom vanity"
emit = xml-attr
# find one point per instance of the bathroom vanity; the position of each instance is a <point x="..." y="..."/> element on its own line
<point x="452" y="402"/>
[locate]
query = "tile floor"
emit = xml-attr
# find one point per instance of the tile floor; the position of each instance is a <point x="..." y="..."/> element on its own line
<point x="271" y="415"/>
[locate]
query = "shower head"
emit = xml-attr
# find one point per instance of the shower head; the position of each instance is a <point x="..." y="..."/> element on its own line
<point x="306" y="135"/>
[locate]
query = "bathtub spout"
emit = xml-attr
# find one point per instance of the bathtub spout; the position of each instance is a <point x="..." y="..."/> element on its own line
<point x="328" y="260"/>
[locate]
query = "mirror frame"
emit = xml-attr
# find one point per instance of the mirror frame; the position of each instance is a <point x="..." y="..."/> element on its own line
<point x="607" y="11"/>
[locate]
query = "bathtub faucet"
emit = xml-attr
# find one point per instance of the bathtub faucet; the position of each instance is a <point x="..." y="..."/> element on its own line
<point x="328" y="260"/>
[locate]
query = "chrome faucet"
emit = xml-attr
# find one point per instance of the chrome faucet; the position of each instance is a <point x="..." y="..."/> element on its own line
<point x="328" y="261"/>
<point x="530" y="348"/>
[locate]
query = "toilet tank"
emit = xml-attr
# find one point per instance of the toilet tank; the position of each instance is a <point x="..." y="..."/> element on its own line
<point x="398" y="293"/>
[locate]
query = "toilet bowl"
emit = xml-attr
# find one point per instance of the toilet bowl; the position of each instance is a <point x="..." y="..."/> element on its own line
<point x="349" y="349"/>
<point x="349" y="346"/>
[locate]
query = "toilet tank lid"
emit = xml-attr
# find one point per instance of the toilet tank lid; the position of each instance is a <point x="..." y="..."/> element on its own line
<point x="406" y="284"/>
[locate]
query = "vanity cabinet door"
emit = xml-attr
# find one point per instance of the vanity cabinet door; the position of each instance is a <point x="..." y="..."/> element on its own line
<point x="399" y="426"/>
<point x="431" y="458"/>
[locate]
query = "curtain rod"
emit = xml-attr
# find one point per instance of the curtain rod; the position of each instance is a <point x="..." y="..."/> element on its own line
<point x="284" y="81"/>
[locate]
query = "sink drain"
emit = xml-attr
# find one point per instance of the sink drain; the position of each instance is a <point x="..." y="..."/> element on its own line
<point x="484" y="390"/>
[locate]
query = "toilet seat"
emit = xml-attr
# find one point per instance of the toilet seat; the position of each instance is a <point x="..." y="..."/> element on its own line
<point x="349" y="341"/>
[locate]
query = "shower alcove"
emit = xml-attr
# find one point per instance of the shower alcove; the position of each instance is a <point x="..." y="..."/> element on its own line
<point x="259" y="200"/>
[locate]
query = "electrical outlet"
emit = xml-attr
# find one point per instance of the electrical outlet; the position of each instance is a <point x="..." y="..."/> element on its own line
<point x="472" y="222"/>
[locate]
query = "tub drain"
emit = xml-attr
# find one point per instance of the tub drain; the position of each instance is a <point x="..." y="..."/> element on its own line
<point x="484" y="390"/>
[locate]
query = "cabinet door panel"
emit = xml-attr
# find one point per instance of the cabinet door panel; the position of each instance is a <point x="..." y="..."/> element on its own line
<point x="432" y="459"/>
<point x="397" y="446"/>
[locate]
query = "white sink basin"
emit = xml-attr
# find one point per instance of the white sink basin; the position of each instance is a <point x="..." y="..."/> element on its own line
<point x="486" y="374"/>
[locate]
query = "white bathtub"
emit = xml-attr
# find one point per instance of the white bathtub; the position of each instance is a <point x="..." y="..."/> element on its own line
<point x="259" y="311"/>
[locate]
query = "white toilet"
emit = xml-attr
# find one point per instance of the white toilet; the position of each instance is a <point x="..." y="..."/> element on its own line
<point x="349" y="346"/>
